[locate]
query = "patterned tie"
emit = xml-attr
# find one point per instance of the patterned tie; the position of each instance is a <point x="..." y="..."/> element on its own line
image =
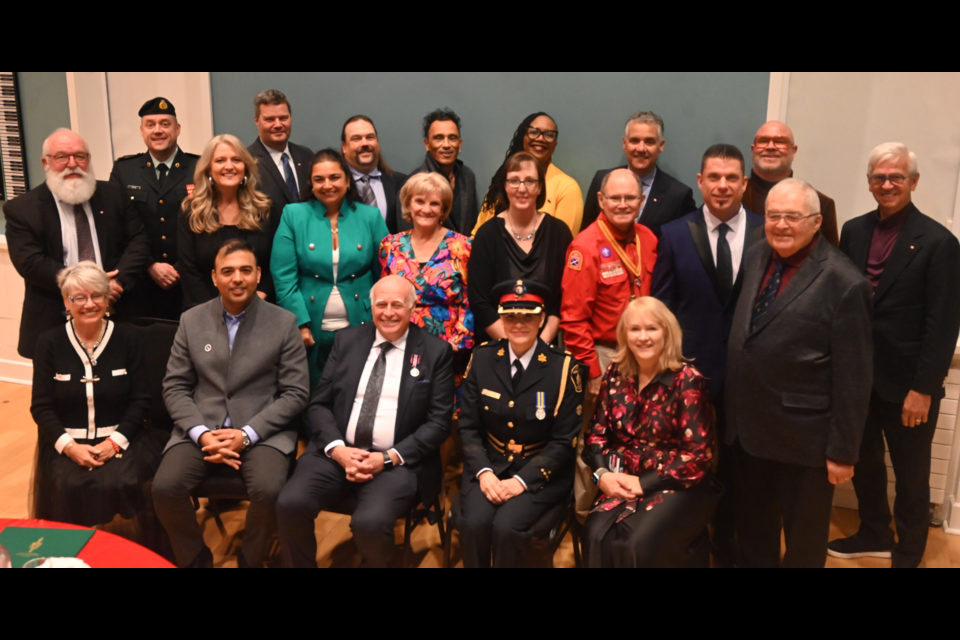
<point x="366" y="192"/>
<point x="289" y="178"/>
<point x="518" y="375"/>
<point x="162" y="169"/>
<point x="363" y="438"/>
<point x="84" y="237"/>
<point x="768" y="295"/>
<point x="724" y="262"/>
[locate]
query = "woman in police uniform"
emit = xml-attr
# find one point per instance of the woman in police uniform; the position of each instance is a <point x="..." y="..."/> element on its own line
<point x="521" y="409"/>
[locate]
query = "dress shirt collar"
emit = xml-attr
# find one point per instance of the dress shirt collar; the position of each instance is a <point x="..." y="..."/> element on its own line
<point x="359" y="174"/>
<point x="228" y="316"/>
<point x="713" y="221"/>
<point x="168" y="161"/>
<point x="400" y="343"/>
<point x="276" y="155"/>
<point x="66" y="206"/>
<point x="647" y="180"/>
<point x="665" y="377"/>
<point x="525" y="358"/>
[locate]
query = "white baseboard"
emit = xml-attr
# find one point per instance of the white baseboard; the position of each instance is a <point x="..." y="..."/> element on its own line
<point x="951" y="520"/>
<point x="29" y="383"/>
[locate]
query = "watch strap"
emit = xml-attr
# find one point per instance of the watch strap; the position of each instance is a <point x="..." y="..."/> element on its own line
<point x="599" y="474"/>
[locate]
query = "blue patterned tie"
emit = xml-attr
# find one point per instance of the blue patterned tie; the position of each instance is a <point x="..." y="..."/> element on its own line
<point x="289" y="178"/>
<point x="768" y="295"/>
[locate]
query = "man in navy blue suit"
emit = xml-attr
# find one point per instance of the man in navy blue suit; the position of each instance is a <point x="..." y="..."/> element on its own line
<point x="698" y="276"/>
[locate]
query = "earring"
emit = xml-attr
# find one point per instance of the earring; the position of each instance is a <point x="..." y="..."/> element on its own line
<point x="210" y="178"/>
<point x="244" y="182"/>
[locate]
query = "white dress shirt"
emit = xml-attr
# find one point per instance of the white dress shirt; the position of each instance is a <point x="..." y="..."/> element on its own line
<point x="168" y="162"/>
<point x="68" y="232"/>
<point x="376" y="181"/>
<point x="385" y="422"/>
<point x="738" y="229"/>
<point x="278" y="160"/>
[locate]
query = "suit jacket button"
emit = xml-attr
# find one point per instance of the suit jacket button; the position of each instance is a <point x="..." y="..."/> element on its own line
<point x="131" y="197"/>
<point x="486" y="408"/>
<point x="311" y="298"/>
<point x="510" y="404"/>
<point x="162" y="220"/>
<point x="311" y="246"/>
<point x="163" y="237"/>
<point x="356" y="297"/>
<point x="161" y="202"/>
<point x="164" y="255"/>
<point x="316" y="276"/>
<point x="510" y="424"/>
<point x="359" y="247"/>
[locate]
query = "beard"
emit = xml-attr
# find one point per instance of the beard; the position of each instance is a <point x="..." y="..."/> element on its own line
<point x="74" y="190"/>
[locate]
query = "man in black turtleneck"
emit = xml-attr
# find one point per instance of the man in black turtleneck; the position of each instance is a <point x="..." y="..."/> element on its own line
<point x="773" y="152"/>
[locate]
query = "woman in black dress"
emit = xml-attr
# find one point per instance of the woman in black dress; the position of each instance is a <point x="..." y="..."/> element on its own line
<point x="90" y="397"/>
<point x="520" y="243"/>
<point x="225" y="205"/>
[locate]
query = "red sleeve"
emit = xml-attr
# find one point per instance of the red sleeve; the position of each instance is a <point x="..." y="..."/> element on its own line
<point x="576" y="308"/>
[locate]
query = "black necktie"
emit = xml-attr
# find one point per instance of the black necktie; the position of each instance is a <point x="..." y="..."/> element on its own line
<point x="289" y="178"/>
<point x="363" y="438"/>
<point x="84" y="237"/>
<point x="518" y="374"/>
<point x="724" y="262"/>
<point x="162" y="168"/>
<point x="768" y="294"/>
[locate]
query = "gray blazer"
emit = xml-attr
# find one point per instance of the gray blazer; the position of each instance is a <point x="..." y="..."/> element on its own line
<point x="264" y="384"/>
<point x="798" y="384"/>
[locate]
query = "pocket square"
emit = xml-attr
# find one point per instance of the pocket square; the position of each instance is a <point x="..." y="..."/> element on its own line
<point x="420" y="382"/>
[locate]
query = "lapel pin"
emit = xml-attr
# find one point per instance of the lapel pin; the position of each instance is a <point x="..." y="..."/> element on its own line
<point x="542" y="357"/>
<point x="101" y="213"/>
<point x="207" y="348"/>
<point x="654" y="199"/>
<point x="911" y="246"/>
<point x="149" y="165"/>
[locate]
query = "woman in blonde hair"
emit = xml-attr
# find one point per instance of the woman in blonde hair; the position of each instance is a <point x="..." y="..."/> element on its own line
<point x="650" y="445"/>
<point x="225" y="205"/>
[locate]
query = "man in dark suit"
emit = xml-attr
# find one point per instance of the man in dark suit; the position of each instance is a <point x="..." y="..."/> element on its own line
<point x="699" y="275"/>
<point x="441" y="137"/>
<point x="379" y="415"/>
<point x="236" y="382"/>
<point x="284" y="166"/>
<point x="913" y="263"/>
<point x="158" y="181"/>
<point x="69" y="218"/>
<point x="798" y="382"/>
<point x="377" y="183"/>
<point x="665" y="197"/>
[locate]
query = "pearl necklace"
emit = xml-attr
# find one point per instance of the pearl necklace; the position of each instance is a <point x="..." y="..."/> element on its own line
<point x="93" y="349"/>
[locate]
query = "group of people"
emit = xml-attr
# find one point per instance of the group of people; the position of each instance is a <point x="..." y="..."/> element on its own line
<point x="692" y="380"/>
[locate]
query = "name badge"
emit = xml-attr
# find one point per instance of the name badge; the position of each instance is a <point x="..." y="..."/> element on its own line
<point x="62" y="377"/>
<point x="133" y="186"/>
<point x="119" y="372"/>
<point x="485" y="392"/>
<point x="611" y="270"/>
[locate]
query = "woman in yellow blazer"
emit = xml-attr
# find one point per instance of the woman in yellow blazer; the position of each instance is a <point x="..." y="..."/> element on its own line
<point x="326" y="257"/>
<point x="537" y="135"/>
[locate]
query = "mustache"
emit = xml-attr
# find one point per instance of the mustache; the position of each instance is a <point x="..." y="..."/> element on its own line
<point x="365" y="149"/>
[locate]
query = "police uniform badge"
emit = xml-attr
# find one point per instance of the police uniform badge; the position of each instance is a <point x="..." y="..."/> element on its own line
<point x="519" y="289"/>
<point x="576" y="379"/>
<point x="163" y="105"/>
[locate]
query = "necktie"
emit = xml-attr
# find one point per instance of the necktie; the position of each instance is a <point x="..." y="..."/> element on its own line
<point x="162" y="169"/>
<point x="363" y="438"/>
<point x="289" y="178"/>
<point x="366" y="192"/>
<point x="724" y="262"/>
<point x="768" y="294"/>
<point x="519" y="374"/>
<point x="84" y="237"/>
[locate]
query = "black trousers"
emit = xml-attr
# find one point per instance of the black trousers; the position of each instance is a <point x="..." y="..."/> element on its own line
<point x="910" y="454"/>
<point x="773" y="495"/>
<point x="264" y="471"/>
<point x="501" y="531"/>
<point x="151" y="301"/>
<point x="666" y="536"/>
<point x="724" y="518"/>
<point x="319" y="484"/>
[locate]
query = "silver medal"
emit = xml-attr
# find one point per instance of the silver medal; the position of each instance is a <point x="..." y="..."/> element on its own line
<point x="415" y="372"/>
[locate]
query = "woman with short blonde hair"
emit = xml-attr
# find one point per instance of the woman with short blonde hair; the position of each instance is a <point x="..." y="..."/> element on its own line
<point x="650" y="445"/>
<point x="224" y="204"/>
<point x="422" y="184"/>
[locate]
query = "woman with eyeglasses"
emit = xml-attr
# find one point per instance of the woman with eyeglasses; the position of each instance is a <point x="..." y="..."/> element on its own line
<point x="537" y="135"/>
<point x="90" y="398"/>
<point x="521" y="242"/>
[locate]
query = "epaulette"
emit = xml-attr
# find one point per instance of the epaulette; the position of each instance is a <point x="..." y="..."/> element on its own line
<point x="192" y="155"/>
<point x="488" y="343"/>
<point x="132" y="155"/>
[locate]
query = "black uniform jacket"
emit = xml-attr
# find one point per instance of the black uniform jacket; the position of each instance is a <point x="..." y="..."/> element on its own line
<point x="491" y="415"/>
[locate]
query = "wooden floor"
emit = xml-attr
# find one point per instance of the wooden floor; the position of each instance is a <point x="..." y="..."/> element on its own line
<point x="335" y="547"/>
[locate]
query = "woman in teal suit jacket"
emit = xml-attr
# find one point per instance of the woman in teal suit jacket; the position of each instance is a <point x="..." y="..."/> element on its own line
<point x="325" y="257"/>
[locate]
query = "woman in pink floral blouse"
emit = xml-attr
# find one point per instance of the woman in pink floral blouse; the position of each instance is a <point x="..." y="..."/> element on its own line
<point x="650" y="445"/>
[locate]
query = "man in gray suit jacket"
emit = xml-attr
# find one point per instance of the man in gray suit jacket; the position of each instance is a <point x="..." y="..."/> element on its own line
<point x="236" y="381"/>
<point x="798" y="382"/>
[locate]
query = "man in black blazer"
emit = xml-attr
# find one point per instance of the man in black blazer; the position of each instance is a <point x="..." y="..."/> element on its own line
<point x="69" y="218"/>
<point x="666" y="198"/>
<point x="379" y="415"/>
<point x="377" y="183"/>
<point x="699" y="276"/>
<point x="798" y="382"/>
<point x="284" y="166"/>
<point x="913" y="263"/>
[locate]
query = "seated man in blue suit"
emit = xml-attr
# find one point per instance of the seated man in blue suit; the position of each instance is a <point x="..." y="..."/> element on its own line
<point x="698" y="276"/>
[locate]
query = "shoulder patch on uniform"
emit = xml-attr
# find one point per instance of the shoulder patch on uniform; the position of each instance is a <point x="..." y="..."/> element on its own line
<point x="132" y="155"/>
<point x="575" y="260"/>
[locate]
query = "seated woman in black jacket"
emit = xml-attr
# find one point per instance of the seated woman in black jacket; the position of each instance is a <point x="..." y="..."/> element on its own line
<point x="90" y="397"/>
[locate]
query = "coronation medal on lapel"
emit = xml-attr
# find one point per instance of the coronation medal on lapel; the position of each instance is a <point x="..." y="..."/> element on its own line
<point x="541" y="405"/>
<point x="414" y="361"/>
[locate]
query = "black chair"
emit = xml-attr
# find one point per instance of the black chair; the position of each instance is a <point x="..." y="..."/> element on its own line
<point x="552" y="527"/>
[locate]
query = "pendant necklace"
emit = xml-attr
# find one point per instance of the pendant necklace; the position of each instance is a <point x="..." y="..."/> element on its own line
<point x="93" y="349"/>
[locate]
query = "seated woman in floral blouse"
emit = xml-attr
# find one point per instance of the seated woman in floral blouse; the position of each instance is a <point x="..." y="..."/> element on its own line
<point x="650" y="446"/>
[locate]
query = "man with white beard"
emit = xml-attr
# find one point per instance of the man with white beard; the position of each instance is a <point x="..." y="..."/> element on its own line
<point x="70" y="217"/>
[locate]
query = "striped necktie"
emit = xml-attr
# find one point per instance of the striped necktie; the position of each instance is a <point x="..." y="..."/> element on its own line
<point x="768" y="294"/>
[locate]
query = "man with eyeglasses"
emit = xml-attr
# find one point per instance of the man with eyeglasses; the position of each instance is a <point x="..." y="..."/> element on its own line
<point x="796" y="391"/>
<point x="699" y="276"/>
<point x="157" y="181"/>
<point x="773" y="153"/>
<point x="69" y="218"/>
<point x="665" y="197"/>
<point x="441" y="137"/>
<point x="913" y="263"/>
<point x="608" y="264"/>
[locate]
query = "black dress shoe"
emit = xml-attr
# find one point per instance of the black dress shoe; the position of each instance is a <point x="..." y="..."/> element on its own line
<point x="857" y="547"/>
<point x="204" y="560"/>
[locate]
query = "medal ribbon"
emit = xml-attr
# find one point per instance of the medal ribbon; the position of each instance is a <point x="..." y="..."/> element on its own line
<point x="414" y="361"/>
<point x="541" y="400"/>
<point x="621" y="252"/>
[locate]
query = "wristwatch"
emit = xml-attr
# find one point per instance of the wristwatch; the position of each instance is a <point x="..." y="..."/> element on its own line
<point x="599" y="474"/>
<point x="246" y="439"/>
<point x="387" y="461"/>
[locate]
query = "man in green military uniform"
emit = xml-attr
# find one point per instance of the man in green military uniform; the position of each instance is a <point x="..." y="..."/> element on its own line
<point x="157" y="182"/>
<point x="521" y="411"/>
